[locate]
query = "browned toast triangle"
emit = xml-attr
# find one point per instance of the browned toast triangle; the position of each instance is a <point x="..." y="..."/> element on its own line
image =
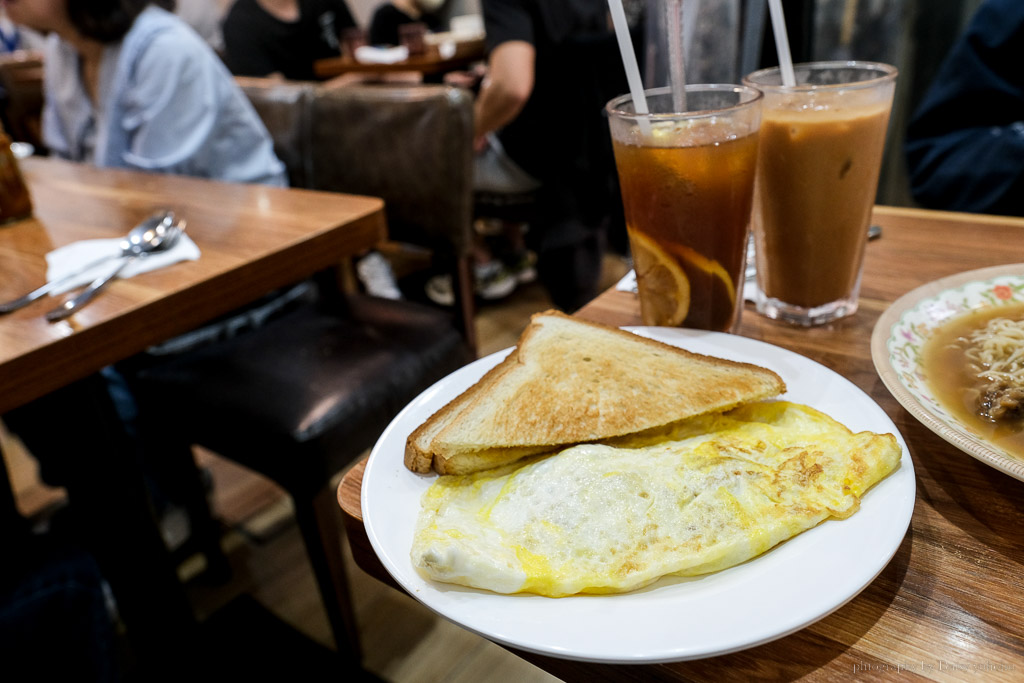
<point x="571" y="381"/>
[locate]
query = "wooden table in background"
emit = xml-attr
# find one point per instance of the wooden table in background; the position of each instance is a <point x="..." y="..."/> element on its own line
<point x="253" y="240"/>
<point x="466" y="53"/>
<point x="948" y="606"/>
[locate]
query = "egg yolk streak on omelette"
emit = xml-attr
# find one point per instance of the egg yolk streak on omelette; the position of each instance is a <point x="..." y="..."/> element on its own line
<point x="711" y="493"/>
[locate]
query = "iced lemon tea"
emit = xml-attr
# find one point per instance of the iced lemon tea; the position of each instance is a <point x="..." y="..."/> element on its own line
<point x="687" y="185"/>
<point x="820" y="155"/>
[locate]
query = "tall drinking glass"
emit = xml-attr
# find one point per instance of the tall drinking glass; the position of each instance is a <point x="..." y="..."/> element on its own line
<point x="817" y="174"/>
<point x="687" y="181"/>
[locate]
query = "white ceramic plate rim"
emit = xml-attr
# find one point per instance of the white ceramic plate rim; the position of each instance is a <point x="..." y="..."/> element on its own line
<point x="782" y="591"/>
<point x="909" y="320"/>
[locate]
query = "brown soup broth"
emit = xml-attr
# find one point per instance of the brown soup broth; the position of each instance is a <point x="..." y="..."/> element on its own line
<point x="948" y="373"/>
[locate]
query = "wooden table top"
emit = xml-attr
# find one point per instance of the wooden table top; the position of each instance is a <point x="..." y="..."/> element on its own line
<point x="948" y="605"/>
<point x="253" y="239"/>
<point x="431" y="62"/>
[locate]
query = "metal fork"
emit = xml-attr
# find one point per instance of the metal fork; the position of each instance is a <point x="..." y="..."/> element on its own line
<point x="40" y="292"/>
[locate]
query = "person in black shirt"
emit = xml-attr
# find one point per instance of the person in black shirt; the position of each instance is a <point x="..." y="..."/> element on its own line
<point x="965" y="143"/>
<point x="283" y="37"/>
<point x="389" y="16"/>
<point x="552" y="65"/>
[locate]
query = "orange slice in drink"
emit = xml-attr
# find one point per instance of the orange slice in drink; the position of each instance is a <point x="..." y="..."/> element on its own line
<point x="710" y="266"/>
<point x="666" y="290"/>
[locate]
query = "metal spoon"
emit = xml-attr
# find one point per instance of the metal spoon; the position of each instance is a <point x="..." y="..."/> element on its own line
<point x="155" y="237"/>
<point x="133" y="237"/>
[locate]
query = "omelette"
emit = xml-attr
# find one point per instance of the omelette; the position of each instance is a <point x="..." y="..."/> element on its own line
<point x="711" y="493"/>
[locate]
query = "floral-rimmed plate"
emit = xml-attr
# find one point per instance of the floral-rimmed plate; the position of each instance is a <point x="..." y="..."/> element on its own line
<point x="901" y="332"/>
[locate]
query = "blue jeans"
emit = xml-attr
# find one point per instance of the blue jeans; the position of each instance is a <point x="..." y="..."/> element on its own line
<point x="54" y="618"/>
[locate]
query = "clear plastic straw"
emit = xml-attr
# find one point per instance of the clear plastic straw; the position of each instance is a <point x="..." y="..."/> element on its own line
<point x="636" y="86"/>
<point x="676" y="70"/>
<point x="782" y="42"/>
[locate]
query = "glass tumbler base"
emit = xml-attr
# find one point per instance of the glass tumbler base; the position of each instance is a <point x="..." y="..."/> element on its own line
<point x="802" y="316"/>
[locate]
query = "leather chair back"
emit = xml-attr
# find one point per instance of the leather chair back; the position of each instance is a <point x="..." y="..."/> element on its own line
<point x="412" y="146"/>
<point x="284" y="107"/>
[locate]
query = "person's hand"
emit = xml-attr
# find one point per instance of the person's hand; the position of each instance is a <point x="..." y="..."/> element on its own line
<point x="469" y="79"/>
<point x="460" y="79"/>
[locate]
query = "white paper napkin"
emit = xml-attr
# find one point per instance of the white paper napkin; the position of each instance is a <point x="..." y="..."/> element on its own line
<point x="628" y="284"/>
<point x="371" y="54"/>
<point x="628" y="281"/>
<point x="446" y="49"/>
<point x="71" y="257"/>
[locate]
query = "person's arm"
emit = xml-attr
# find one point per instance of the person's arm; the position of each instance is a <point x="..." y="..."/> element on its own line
<point x="506" y="88"/>
<point x="172" y="110"/>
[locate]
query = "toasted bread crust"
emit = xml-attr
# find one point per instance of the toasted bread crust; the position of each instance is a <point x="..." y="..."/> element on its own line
<point x="573" y="381"/>
<point x="467" y="462"/>
<point x="418" y="454"/>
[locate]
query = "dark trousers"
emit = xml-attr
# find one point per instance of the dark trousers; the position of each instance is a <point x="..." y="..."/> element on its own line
<point x="54" y="621"/>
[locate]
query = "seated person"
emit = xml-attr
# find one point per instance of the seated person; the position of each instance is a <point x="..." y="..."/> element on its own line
<point x="551" y="67"/>
<point x="389" y="16"/>
<point x="144" y="91"/>
<point x="283" y="37"/>
<point x="965" y="143"/>
<point x="130" y="85"/>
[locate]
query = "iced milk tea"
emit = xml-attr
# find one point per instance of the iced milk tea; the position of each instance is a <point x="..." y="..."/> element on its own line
<point x="820" y="155"/>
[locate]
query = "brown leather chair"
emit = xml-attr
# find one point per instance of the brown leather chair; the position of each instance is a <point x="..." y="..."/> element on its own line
<point x="408" y="145"/>
<point x="305" y="394"/>
<point x="284" y="107"/>
<point x="344" y="139"/>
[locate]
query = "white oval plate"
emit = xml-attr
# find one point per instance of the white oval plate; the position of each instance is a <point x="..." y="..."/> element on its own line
<point x="901" y="332"/>
<point x="780" y="592"/>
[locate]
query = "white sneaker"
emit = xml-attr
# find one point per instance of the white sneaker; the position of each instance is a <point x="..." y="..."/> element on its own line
<point x="525" y="269"/>
<point x="175" y="527"/>
<point x="493" y="281"/>
<point x="377" y="277"/>
<point x="439" y="290"/>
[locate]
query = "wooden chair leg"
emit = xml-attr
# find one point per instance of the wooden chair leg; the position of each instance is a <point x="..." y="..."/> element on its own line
<point x="205" y="529"/>
<point x="322" y="532"/>
<point x="464" y="301"/>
